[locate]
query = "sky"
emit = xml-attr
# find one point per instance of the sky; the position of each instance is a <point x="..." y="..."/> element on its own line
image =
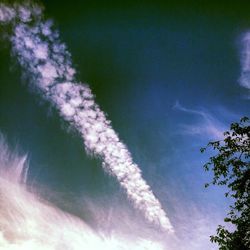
<point x="167" y="75"/>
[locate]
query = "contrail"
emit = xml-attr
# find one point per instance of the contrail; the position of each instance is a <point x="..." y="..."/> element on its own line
<point x="27" y="222"/>
<point x="41" y="53"/>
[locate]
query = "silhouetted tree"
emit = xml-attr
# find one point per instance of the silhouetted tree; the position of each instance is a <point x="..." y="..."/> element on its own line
<point x="231" y="167"/>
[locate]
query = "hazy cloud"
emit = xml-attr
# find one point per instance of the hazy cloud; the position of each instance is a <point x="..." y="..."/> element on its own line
<point x="245" y="61"/>
<point x="207" y="126"/>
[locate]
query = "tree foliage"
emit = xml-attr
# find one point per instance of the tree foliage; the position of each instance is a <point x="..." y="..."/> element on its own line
<point x="231" y="167"/>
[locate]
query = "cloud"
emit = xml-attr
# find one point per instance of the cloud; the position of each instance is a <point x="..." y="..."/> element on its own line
<point x="48" y="63"/>
<point x="208" y="126"/>
<point x="245" y="61"/>
<point x="27" y="222"/>
<point x="26" y="219"/>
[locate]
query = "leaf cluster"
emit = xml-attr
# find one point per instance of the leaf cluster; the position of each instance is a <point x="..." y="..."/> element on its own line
<point x="231" y="167"/>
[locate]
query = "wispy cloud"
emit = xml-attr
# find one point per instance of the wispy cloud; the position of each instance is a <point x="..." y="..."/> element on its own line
<point x="25" y="216"/>
<point x="245" y="61"/>
<point x="26" y="220"/>
<point x="208" y="126"/>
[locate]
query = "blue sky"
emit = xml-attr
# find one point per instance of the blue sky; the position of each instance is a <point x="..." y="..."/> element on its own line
<point x="168" y="78"/>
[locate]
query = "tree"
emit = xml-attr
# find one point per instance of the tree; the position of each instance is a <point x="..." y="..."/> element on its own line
<point x="231" y="167"/>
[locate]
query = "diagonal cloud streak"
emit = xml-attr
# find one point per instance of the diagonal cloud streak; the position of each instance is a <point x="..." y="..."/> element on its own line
<point x="41" y="53"/>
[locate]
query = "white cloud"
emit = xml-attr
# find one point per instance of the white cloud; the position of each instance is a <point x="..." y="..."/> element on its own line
<point x="26" y="220"/>
<point x="46" y="59"/>
<point x="245" y="61"/>
<point x="208" y="126"/>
